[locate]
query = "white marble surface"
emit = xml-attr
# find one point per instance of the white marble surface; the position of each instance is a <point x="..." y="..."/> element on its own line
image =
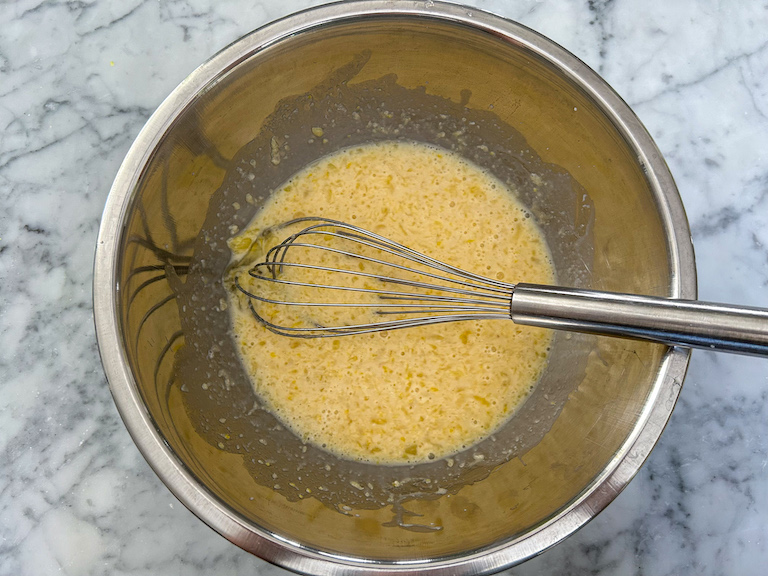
<point x="77" y="81"/>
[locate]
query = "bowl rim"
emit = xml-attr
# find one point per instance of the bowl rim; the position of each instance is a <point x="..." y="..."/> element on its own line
<point x="273" y="547"/>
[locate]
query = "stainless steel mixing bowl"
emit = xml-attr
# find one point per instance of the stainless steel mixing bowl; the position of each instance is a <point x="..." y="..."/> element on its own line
<point x="494" y="91"/>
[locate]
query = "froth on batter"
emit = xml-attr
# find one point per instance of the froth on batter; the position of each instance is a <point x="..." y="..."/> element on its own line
<point x="411" y="395"/>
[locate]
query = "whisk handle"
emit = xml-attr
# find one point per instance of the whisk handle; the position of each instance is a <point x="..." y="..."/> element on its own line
<point x="687" y="323"/>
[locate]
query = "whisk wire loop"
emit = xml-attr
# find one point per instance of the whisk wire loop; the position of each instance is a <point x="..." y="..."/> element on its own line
<point x="434" y="292"/>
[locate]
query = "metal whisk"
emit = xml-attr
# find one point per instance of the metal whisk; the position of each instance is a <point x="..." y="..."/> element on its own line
<point x="390" y="286"/>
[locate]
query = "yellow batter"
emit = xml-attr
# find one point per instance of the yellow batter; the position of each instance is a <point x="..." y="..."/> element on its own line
<point x="405" y="395"/>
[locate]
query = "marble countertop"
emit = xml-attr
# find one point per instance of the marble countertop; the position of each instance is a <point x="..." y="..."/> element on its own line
<point x="77" y="82"/>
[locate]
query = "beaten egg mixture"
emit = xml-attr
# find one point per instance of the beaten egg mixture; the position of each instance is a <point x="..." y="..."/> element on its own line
<point x="412" y="395"/>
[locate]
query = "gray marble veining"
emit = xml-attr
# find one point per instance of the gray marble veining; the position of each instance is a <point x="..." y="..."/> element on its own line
<point x="78" y="80"/>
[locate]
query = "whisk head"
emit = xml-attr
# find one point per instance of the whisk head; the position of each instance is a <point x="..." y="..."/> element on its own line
<point x="330" y="278"/>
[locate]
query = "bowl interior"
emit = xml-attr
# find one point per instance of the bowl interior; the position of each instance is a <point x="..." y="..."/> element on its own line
<point x="575" y="170"/>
